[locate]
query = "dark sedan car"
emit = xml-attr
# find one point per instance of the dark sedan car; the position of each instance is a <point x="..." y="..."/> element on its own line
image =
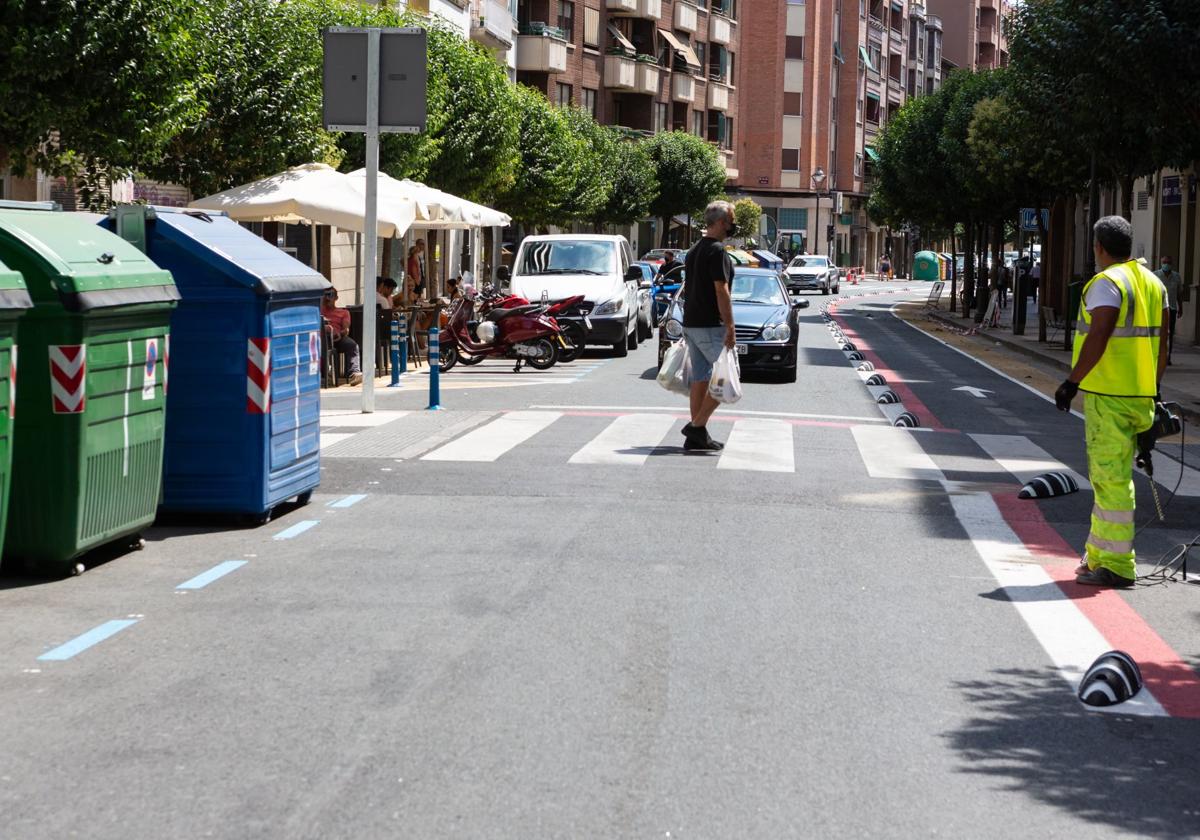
<point x="765" y="322"/>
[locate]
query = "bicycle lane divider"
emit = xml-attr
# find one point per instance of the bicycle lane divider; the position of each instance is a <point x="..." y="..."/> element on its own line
<point x="89" y="639"/>
<point x="296" y="530"/>
<point x="1173" y="685"/>
<point x="216" y="572"/>
<point x="346" y="501"/>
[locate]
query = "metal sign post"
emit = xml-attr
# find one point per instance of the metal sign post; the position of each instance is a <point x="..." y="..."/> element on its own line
<point x="380" y="88"/>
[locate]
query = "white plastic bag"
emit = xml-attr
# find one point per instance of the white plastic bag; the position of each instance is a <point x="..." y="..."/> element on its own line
<point x="725" y="384"/>
<point x="674" y="373"/>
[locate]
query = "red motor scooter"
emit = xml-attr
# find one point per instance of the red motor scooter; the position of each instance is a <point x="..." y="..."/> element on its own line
<point x="572" y="321"/>
<point x="523" y="333"/>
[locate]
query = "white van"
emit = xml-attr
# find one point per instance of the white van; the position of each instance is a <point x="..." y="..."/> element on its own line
<point x="600" y="268"/>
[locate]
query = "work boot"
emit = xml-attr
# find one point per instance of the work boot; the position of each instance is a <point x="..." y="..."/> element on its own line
<point x="356" y="379"/>
<point x="1101" y="576"/>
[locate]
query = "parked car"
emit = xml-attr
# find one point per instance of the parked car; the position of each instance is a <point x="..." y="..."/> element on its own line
<point x="765" y="322"/>
<point x="599" y="267"/>
<point x="646" y="300"/>
<point x="812" y="271"/>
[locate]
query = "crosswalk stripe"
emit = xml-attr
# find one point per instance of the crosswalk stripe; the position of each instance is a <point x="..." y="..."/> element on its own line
<point x="1023" y="458"/>
<point x="894" y="453"/>
<point x="628" y="440"/>
<point x="489" y="442"/>
<point x="759" y="445"/>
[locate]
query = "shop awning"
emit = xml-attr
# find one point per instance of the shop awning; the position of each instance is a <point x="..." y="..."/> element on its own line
<point x="688" y="54"/>
<point x="620" y="38"/>
<point x="872" y="154"/>
<point x="872" y="95"/>
<point x="866" y="57"/>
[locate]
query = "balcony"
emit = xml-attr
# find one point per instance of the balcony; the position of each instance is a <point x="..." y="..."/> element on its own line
<point x="685" y="17"/>
<point x="989" y="4"/>
<point x="718" y="96"/>
<point x="683" y="86"/>
<point x="621" y="7"/>
<point x="649" y="77"/>
<point x="492" y="24"/>
<point x="541" y="54"/>
<point x="987" y="33"/>
<point x="650" y="9"/>
<point x="620" y="72"/>
<point x="720" y="29"/>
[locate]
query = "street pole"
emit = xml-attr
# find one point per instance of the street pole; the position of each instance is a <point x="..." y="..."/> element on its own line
<point x="817" y="228"/>
<point x="371" y="223"/>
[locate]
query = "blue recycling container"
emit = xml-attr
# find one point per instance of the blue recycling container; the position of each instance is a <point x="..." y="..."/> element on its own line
<point x="244" y="381"/>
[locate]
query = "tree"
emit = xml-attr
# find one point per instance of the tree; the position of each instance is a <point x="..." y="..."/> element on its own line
<point x="93" y="82"/>
<point x="546" y="176"/>
<point x="259" y="79"/>
<point x="596" y="168"/>
<point x="747" y="213"/>
<point x="635" y="184"/>
<point x="689" y="172"/>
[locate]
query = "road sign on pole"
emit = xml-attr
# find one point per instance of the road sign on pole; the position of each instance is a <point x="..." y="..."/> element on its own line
<point x="1029" y="219"/>
<point x="374" y="81"/>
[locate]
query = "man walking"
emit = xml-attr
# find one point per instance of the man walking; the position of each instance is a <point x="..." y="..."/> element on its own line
<point x="1171" y="280"/>
<point x="707" y="319"/>
<point x="1118" y="362"/>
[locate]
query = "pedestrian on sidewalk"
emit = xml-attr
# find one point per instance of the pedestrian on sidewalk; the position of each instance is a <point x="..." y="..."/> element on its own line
<point x="1171" y="280"/>
<point x="1118" y="362"/>
<point x="707" y="319"/>
<point x="885" y="267"/>
<point x="339" y="330"/>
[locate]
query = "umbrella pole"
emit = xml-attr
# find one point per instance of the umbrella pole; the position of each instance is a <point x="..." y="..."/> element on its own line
<point x="312" y="234"/>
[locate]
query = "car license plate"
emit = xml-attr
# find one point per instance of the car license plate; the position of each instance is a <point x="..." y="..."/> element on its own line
<point x="742" y="349"/>
<point x="587" y="322"/>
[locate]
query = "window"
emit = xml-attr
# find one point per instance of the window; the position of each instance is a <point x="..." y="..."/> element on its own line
<point x="894" y="67"/>
<point x="566" y="18"/>
<point x="858" y="165"/>
<point x="793" y="104"/>
<point x="698" y="123"/>
<point x="591" y="28"/>
<point x="700" y="48"/>
<point x="876" y="53"/>
<point x="791" y="160"/>
<point x="562" y="94"/>
<point x="717" y="123"/>
<point x="660" y="116"/>
<point x="727" y="142"/>
<point x="589" y="101"/>
<point x="794" y="47"/>
<point x="872" y="108"/>
<point x="858" y="112"/>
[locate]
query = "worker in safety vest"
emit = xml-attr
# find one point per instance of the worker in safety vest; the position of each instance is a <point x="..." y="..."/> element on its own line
<point x="1119" y="359"/>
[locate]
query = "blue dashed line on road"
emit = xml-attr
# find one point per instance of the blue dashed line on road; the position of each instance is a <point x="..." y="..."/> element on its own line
<point x="296" y="530"/>
<point x="348" y="501"/>
<point x="91" y="637"/>
<point x="218" y="571"/>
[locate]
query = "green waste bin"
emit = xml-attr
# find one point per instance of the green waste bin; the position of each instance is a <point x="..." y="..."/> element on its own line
<point x="14" y="300"/>
<point x="87" y="470"/>
<point x="926" y="266"/>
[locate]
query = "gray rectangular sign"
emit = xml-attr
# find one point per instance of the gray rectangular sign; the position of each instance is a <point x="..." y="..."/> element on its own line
<point x="403" y="76"/>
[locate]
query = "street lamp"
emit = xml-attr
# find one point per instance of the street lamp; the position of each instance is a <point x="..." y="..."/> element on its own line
<point x="818" y="178"/>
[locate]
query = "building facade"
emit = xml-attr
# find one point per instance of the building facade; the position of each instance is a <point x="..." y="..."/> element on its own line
<point x="975" y="37"/>
<point x="834" y="73"/>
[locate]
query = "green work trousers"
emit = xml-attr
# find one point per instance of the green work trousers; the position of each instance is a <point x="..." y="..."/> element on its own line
<point x="1112" y="427"/>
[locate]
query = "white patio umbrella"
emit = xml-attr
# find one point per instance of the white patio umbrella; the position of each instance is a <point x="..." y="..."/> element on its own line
<point x="446" y="210"/>
<point x="313" y="192"/>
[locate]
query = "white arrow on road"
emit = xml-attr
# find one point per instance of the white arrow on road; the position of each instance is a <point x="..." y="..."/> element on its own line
<point x="980" y="393"/>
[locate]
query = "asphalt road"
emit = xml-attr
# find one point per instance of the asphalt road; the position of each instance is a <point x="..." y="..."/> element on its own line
<point x="531" y="615"/>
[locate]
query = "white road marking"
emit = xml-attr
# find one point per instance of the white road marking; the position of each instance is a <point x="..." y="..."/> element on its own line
<point x="1024" y="458"/>
<point x="760" y="446"/>
<point x="628" y="440"/>
<point x="682" y="409"/>
<point x="353" y="418"/>
<point x="894" y="453"/>
<point x="328" y="439"/>
<point x="489" y="442"/>
<point x="1064" y="632"/>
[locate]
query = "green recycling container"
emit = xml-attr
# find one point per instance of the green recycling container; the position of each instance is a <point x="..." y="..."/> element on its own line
<point x="14" y="300"/>
<point x="926" y="266"/>
<point x="92" y="397"/>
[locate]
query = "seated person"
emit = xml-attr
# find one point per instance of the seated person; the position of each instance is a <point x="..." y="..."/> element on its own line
<point x="339" y="325"/>
<point x="385" y="288"/>
<point x="453" y="289"/>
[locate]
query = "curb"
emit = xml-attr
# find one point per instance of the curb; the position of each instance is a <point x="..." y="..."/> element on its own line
<point x="1171" y="394"/>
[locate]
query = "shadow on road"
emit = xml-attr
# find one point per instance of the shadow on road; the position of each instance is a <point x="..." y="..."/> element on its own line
<point x="1030" y="735"/>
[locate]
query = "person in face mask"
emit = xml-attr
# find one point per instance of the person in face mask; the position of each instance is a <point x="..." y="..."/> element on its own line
<point x="1171" y="279"/>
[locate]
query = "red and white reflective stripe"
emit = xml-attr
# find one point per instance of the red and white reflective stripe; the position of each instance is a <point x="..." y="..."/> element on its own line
<point x="12" y="383"/>
<point x="68" y="375"/>
<point x="314" y="353"/>
<point x="258" y="375"/>
<point x="166" y="360"/>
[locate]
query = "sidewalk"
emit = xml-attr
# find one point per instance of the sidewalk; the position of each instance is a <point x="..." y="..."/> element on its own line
<point x="1181" y="383"/>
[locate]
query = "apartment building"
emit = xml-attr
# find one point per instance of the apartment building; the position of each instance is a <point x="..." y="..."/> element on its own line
<point x="833" y="73"/>
<point x="975" y="37"/>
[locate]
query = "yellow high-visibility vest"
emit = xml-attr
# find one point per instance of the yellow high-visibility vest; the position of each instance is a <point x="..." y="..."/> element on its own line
<point x="1129" y="366"/>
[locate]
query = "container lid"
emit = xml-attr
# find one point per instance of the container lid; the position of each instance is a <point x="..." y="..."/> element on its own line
<point x="244" y="258"/>
<point x="926" y="255"/>
<point x="13" y="294"/>
<point x="88" y="267"/>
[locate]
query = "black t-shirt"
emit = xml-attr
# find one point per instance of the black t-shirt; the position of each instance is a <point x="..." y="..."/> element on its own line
<point x="707" y="264"/>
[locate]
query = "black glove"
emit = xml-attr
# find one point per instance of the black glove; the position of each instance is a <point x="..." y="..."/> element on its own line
<point x="1065" y="393"/>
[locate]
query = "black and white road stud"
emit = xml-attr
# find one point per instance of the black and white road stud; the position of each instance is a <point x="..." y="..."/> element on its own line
<point x="1048" y="485"/>
<point x="1112" y="679"/>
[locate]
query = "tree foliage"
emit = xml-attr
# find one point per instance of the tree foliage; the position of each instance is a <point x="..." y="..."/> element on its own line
<point x="747" y="213"/>
<point x="689" y="172"/>
<point x="546" y="177"/>
<point x="595" y="169"/>
<point x="635" y="185"/>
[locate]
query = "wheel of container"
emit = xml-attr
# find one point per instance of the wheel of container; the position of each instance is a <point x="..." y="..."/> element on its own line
<point x="304" y="498"/>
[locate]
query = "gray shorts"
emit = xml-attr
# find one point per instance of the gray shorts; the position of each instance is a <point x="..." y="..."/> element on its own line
<point x="704" y="346"/>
